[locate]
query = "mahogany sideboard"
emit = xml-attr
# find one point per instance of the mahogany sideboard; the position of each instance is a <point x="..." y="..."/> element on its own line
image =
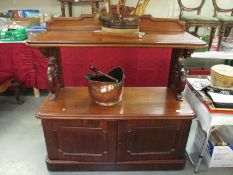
<point x="147" y="130"/>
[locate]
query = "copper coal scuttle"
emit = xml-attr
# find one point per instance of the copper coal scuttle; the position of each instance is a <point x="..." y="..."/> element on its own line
<point x="106" y="89"/>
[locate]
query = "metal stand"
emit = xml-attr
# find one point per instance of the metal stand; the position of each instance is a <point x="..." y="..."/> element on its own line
<point x="207" y="136"/>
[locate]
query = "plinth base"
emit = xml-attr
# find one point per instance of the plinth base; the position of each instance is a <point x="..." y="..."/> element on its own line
<point x="63" y="165"/>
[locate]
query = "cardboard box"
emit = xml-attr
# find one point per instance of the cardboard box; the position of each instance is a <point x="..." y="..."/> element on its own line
<point x="214" y="156"/>
<point x="221" y="156"/>
<point x="25" y="22"/>
<point x="34" y="30"/>
<point x="13" y="35"/>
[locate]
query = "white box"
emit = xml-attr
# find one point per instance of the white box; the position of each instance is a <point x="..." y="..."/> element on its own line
<point x="220" y="156"/>
<point x="214" y="156"/>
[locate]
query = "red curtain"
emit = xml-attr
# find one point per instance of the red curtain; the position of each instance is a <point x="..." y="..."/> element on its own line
<point x="16" y="58"/>
<point x="142" y="66"/>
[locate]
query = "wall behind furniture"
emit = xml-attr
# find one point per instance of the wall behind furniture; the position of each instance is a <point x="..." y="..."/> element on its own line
<point x="158" y="8"/>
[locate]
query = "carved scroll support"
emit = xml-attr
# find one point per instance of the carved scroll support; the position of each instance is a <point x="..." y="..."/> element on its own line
<point x="177" y="72"/>
<point x="54" y="72"/>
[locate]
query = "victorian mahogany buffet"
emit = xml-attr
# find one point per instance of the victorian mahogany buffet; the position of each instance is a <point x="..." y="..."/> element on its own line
<point x="147" y="130"/>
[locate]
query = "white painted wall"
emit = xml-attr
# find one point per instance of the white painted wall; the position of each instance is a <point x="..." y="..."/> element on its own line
<point x="158" y="8"/>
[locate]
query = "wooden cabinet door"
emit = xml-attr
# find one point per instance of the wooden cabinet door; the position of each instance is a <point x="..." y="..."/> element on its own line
<point x="152" y="139"/>
<point x="81" y="140"/>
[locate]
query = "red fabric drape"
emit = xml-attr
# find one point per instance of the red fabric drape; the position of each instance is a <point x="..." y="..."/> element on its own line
<point x="16" y="58"/>
<point x="142" y="66"/>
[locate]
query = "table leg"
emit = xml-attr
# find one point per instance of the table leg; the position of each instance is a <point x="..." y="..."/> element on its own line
<point x="221" y="34"/>
<point x="16" y="86"/>
<point x="63" y="9"/>
<point x="70" y="9"/>
<point x="36" y="92"/>
<point x="212" y="34"/>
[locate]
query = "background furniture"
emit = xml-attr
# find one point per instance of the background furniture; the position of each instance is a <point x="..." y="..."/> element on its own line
<point x="226" y="21"/>
<point x="198" y="20"/>
<point x="70" y="3"/>
<point x="6" y="81"/>
<point x="201" y="62"/>
<point x="207" y="119"/>
<point x="117" y="137"/>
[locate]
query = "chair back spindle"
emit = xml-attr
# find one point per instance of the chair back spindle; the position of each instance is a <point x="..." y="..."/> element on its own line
<point x="218" y="9"/>
<point x="184" y="8"/>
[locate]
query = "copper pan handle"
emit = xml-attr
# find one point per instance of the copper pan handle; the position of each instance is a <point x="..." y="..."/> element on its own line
<point x="97" y="71"/>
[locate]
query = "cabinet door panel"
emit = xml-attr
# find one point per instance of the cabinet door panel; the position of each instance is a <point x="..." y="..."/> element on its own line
<point x="152" y="140"/>
<point x="149" y="140"/>
<point x="84" y="137"/>
<point x="78" y="140"/>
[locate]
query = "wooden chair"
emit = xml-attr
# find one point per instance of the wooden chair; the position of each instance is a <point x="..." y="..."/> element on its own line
<point x="6" y="81"/>
<point x="226" y="21"/>
<point x="197" y="20"/>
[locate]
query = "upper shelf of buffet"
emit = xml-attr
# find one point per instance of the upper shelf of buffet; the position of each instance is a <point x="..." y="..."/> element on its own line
<point x="84" y="32"/>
